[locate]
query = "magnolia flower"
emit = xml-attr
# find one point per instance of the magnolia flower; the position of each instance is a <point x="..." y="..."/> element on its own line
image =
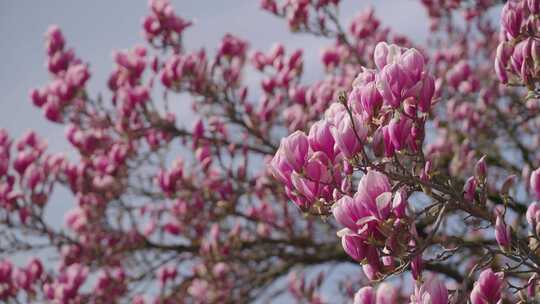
<point x="320" y="138"/>
<point x="535" y="183"/>
<point x="349" y="135"/>
<point x="432" y="291"/>
<point x="363" y="213"/>
<point x="365" y="295"/>
<point x="469" y="189"/>
<point x="502" y="233"/>
<point x="295" y="148"/>
<point x="533" y="216"/>
<point x="385" y="294"/>
<point x="488" y="288"/>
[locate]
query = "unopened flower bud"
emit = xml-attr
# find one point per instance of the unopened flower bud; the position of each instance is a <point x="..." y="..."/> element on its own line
<point x="535" y="183"/>
<point x="502" y="233"/>
<point x="469" y="190"/>
<point x="480" y="169"/>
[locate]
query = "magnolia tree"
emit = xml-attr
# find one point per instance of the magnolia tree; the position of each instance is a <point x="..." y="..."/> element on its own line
<point x="414" y="165"/>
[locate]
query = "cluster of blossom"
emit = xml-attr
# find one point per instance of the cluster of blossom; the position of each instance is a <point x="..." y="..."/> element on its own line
<point x="169" y="181"/>
<point x="347" y="55"/>
<point x="111" y="284"/>
<point x="187" y="217"/>
<point x="467" y="104"/>
<point x="218" y="272"/>
<point x="365" y="24"/>
<point x="438" y="10"/>
<point x="313" y="100"/>
<point x="87" y="141"/>
<point x="286" y="69"/>
<point x="181" y="212"/>
<point x="193" y="71"/>
<point x="131" y="95"/>
<point x="342" y="61"/>
<point x="163" y="27"/>
<point x="478" y="183"/>
<point x="267" y="217"/>
<point x="303" y="289"/>
<point x="217" y="213"/>
<point x="282" y="82"/>
<point x="466" y="113"/>
<point x="431" y="291"/>
<point x="394" y="100"/>
<point x="462" y="79"/>
<point x="8" y="194"/>
<point x="467" y="118"/>
<point x="307" y="166"/>
<point x="203" y="276"/>
<point x="189" y="68"/>
<point x="69" y="78"/>
<point x="533" y="211"/>
<point x="284" y="97"/>
<point x="384" y="294"/>
<point x="464" y="70"/>
<point x="130" y="66"/>
<point x="487" y="290"/>
<point x="81" y="222"/>
<point x="376" y="229"/>
<point x="203" y="152"/>
<point x="403" y="79"/>
<point x="34" y="170"/>
<point x="65" y="288"/>
<point x="166" y="274"/>
<point x="95" y="181"/>
<point x="386" y="106"/>
<point x="9" y="288"/>
<point x="519" y="49"/>
<point x="26" y="279"/>
<point x="229" y="61"/>
<point x="199" y="287"/>
<point x="366" y="32"/>
<point x="100" y="175"/>
<point x="298" y="12"/>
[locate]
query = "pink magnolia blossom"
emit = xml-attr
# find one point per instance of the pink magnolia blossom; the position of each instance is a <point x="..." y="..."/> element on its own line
<point x="488" y="287"/>
<point x="432" y="291"/>
<point x="502" y="233"/>
<point x="385" y="294"/>
<point x="295" y="148"/>
<point x="535" y="183"/>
